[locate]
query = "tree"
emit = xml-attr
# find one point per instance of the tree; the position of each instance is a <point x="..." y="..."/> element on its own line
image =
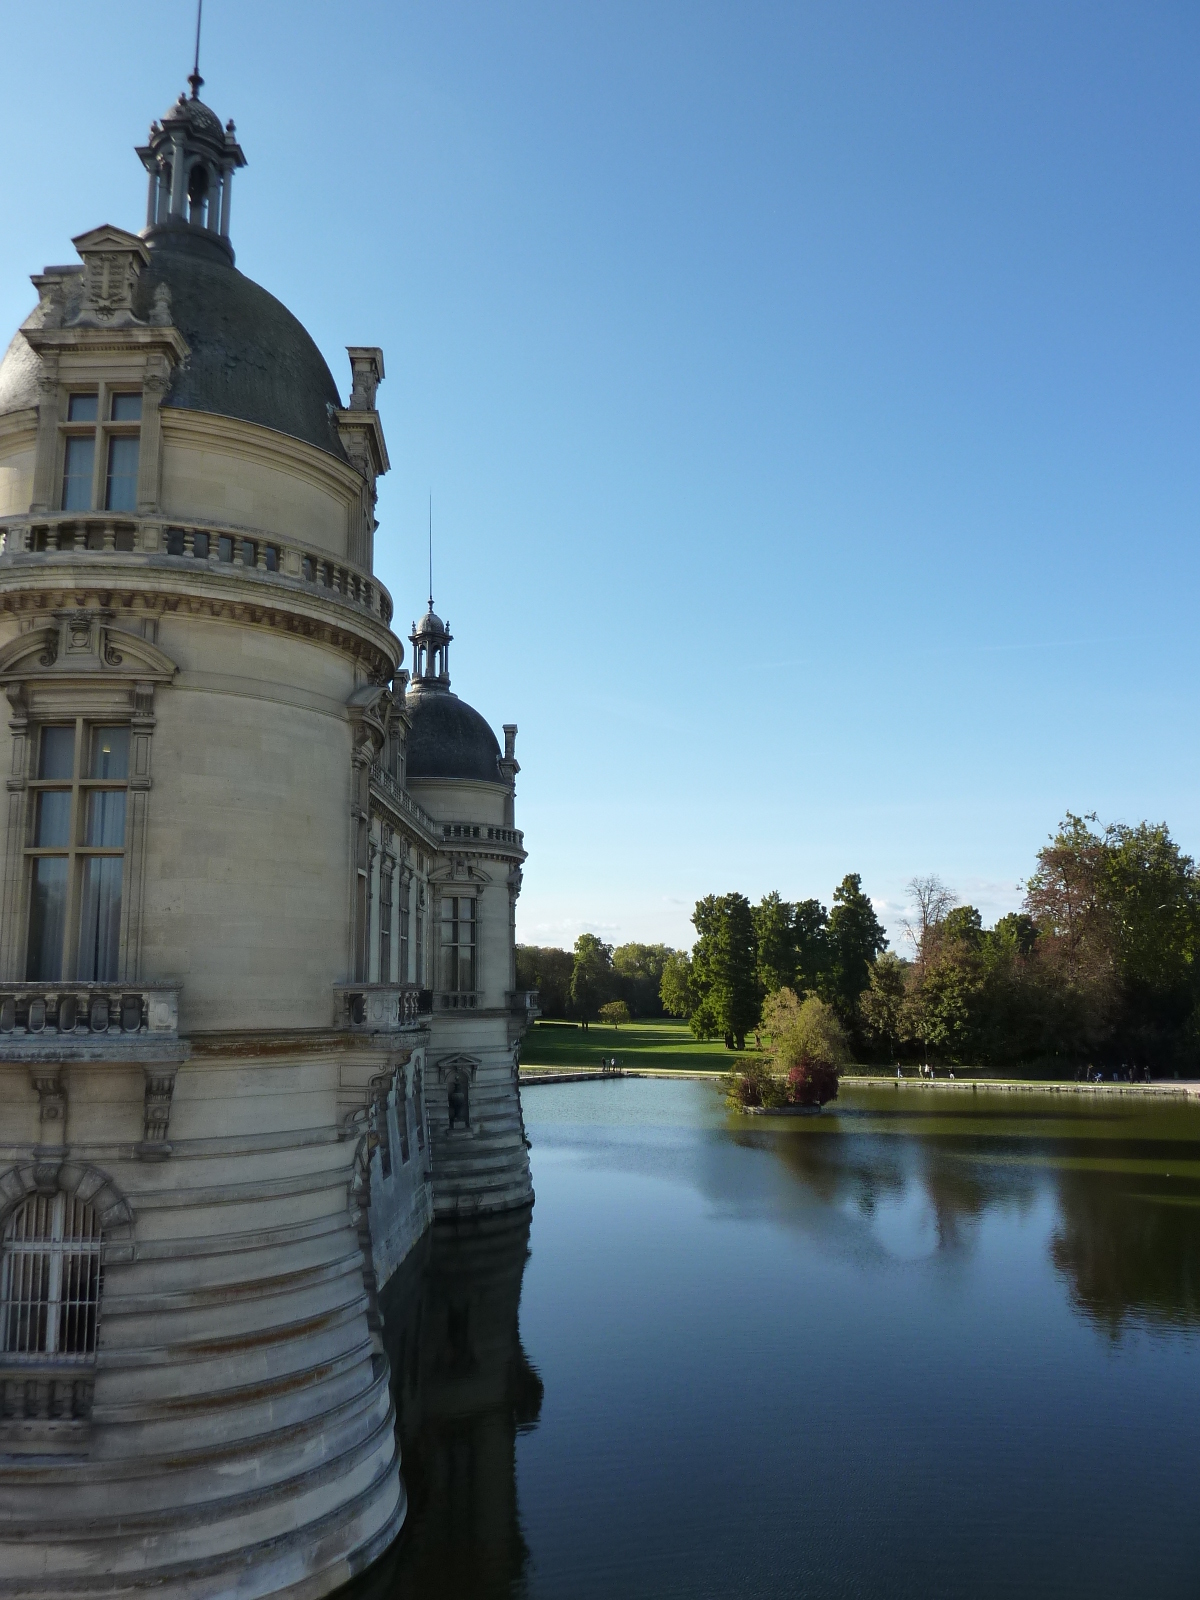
<point x="591" y="976"/>
<point x="548" y="970"/>
<point x="637" y="973"/>
<point x="808" y="1046"/>
<point x="775" y="942"/>
<point x="806" y="1027"/>
<point x="811" y="933"/>
<point x="855" y="937"/>
<point x="614" y="1013"/>
<point x="675" y="987"/>
<point x="931" y="902"/>
<point x="724" y="969"/>
<point x="881" y="1005"/>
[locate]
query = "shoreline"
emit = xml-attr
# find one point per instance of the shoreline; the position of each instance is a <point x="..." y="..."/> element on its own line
<point x="1180" y="1089"/>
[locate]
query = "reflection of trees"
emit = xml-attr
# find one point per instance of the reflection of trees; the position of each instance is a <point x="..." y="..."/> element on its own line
<point x="961" y="1170"/>
<point x="463" y="1388"/>
<point x="1129" y="1248"/>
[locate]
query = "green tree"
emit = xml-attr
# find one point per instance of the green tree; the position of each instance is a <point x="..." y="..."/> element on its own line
<point x="548" y="970"/>
<point x="638" y="971"/>
<point x="675" y="988"/>
<point x="724" y="969"/>
<point x="775" y="942"/>
<point x="855" y="937"/>
<point x="810" y="922"/>
<point x="614" y="1013"/>
<point x="591" y="976"/>
<point x="881" y="1006"/>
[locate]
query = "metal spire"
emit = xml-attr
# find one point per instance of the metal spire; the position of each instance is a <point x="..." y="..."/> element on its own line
<point x="431" y="552"/>
<point x="194" y="78"/>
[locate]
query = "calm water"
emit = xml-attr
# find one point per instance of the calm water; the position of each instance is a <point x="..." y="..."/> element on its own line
<point x="925" y="1344"/>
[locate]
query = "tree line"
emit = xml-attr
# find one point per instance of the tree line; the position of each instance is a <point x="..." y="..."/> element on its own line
<point x="577" y="984"/>
<point x="1099" y="965"/>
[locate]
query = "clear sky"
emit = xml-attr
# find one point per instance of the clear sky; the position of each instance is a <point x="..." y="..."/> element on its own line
<point x="808" y="395"/>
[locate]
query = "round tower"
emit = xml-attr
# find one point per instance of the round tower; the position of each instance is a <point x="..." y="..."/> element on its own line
<point x="212" y="1136"/>
<point x="459" y="775"/>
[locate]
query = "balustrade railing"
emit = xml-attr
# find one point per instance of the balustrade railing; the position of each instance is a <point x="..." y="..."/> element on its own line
<point x="403" y="801"/>
<point x="483" y="831"/>
<point x="212" y="545"/>
<point x="380" y="1007"/>
<point x="456" y="1000"/>
<point x="82" y="1010"/>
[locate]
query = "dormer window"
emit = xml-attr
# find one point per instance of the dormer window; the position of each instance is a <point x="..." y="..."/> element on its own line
<point x="106" y="477"/>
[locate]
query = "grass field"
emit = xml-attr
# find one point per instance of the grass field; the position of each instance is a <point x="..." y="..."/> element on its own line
<point x="642" y="1045"/>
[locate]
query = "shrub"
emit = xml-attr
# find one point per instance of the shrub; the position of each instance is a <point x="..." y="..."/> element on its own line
<point x="752" y="1083"/>
<point x="615" y="1012"/>
<point x="811" y="1082"/>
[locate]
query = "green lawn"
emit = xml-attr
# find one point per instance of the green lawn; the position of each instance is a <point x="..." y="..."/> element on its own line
<point x="635" y="1044"/>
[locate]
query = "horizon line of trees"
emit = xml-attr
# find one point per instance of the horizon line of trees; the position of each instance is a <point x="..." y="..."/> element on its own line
<point x="1099" y="965"/>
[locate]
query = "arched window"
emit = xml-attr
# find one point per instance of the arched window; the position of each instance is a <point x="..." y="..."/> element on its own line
<point x="50" y="1279"/>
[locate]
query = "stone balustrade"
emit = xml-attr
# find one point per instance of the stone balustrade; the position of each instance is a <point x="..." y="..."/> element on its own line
<point x="380" y="1007"/>
<point x="403" y="802"/>
<point x="484" y="832"/>
<point x="523" y="1003"/>
<point x="38" y="1392"/>
<point x="456" y="1000"/>
<point x="81" y="1011"/>
<point x="214" y="546"/>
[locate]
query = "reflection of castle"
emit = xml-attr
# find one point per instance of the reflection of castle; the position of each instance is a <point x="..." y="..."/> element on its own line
<point x="258" y="1022"/>
<point x="464" y="1389"/>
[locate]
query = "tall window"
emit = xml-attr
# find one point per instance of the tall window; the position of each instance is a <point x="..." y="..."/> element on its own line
<point x="419" y="977"/>
<point x="50" y="1279"/>
<point x="77" y="852"/>
<point x="458" y="942"/>
<point x="385" y="926"/>
<point x="102" y="431"/>
<point x="404" y="972"/>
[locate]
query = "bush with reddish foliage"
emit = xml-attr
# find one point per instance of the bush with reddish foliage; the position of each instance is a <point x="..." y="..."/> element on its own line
<point x="811" y="1082"/>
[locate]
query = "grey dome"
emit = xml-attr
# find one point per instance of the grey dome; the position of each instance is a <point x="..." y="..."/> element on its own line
<point x="250" y="357"/>
<point x="202" y="119"/>
<point x="449" y="739"/>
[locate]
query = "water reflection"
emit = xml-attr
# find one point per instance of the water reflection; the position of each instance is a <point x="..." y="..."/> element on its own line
<point x="464" y="1389"/>
<point x="1124" y="1183"/>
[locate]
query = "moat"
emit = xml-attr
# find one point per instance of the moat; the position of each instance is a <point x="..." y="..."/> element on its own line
<point x="926" y="1344"/>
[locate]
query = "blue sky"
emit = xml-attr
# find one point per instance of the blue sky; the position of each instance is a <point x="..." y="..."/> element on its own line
<point x="808" y="395"/>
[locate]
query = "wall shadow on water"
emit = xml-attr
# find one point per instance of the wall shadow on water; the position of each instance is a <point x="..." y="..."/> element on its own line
<point x="464" y="1389"/>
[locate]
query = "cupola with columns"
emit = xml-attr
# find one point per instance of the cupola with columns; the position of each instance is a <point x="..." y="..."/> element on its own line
<point x="430" y="639"/>
<point x="191" y="160"/>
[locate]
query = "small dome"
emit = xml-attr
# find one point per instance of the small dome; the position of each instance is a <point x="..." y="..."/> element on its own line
<point x="449" y="739"/>
<point x="202" y="119"/>
<point x="430" y="626"/>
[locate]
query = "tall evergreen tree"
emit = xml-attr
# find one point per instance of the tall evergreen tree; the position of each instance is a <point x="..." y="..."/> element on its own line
<point x="725" y="969"/>
<point x="855" y="937"/>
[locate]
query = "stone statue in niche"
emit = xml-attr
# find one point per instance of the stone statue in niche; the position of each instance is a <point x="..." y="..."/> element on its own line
<point x="458" y="1101"/>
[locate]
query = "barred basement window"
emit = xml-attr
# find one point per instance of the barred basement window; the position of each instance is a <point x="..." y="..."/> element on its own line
<point x="50" y="1279"/>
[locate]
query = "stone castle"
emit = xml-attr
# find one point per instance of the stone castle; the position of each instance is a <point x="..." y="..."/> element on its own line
<point x="258" y="1016"/>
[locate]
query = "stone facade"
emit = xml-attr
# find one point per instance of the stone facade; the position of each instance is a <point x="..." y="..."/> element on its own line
<point x="257" y="1011"/>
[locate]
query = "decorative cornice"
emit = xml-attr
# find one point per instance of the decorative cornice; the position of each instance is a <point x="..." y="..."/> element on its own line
<point x="46" y="588"/>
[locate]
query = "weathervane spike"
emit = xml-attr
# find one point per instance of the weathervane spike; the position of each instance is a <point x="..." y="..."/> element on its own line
<point x="195" y="79"/>
<point x="431" y="552"/>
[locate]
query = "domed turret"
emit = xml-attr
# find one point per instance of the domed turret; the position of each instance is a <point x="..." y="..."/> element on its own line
<point x="191" y="160"/>
<point x="448" y="738"/>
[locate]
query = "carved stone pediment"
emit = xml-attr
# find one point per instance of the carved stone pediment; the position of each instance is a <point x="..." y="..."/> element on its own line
<point x="112" y="262"/>
<point x="80" y="651"/>
<point x="458" y="1066"/>
<point x="458" y="871"/>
